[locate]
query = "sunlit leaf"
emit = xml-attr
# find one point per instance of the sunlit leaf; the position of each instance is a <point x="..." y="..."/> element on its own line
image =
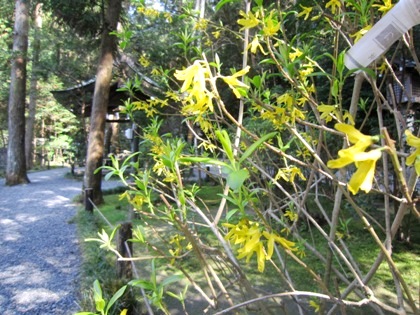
<point x="236" y="178"/>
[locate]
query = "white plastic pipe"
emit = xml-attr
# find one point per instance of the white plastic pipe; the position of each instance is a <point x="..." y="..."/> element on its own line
<point x="403" y="16"/>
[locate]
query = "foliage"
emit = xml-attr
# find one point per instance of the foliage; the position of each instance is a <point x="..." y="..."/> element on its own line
<point x="280" y="132"/>
<point x="97" y="264"/>
<point x="155" y="289"/>
<point x="102" y="305"/>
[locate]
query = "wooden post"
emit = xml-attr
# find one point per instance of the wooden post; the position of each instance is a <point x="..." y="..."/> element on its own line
<point x="88" y="198"/>
<point x="124" y="268"/>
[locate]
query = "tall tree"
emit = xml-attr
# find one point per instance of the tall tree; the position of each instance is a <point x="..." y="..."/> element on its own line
<point x="16" y="164"/>
<point x="33" y="93"/>
<point x="95" y="152"/>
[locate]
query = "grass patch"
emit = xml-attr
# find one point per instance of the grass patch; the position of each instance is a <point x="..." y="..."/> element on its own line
<point x="98" y="263"/>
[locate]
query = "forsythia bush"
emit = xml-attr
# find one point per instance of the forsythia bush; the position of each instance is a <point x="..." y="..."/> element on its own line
<point x="304" y="153"/>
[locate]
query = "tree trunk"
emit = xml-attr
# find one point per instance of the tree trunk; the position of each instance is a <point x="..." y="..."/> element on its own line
<point x="16" y="164"/>
<point x="33" y="93"/>
<point x="100" y="102"/>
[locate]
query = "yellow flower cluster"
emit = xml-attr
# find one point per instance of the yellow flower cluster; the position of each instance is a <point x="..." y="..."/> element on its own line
<point x="150" y="106"/>
<point x="301" y="150"/>
<point x="252" y="238"/>
<point x="157" y="143"/>
<point x="365" y="162"/>
<point x="330" y="112"/>
<point x="291" y="215"/>
<point x="152" y="13"/>
<point x="295" y="54"/>
<point x="414" y="157"/>
<point x="198" y="99"/>
<point x="201" y="24"/>
<point x="149" y="12"/>
<point x="136" y="201"/>
<point x="286" y="110"/>
<point x="178" y="247"/>
<point x="144" y="61"/>
<point x="289" y="173"/>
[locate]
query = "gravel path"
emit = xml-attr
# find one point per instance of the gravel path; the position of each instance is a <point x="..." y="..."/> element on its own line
<point x="39" y="252"/>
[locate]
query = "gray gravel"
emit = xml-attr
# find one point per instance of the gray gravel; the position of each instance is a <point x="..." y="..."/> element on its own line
<point x="40" y="257"/>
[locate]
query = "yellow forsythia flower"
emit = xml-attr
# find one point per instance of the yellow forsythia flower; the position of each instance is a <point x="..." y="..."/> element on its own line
<point x="272" y="26"/>
<point x="144" y="61"/>
<point x="195" y="73"/>
<point x="358" y="35"/>
<point x="414" y="158"/>
<point x="233" y="82"/>
<point x="365" y="162"/>
<point x="289" y="173"/>
<point x="292" y="215"/>
<point x="315" y="305"/>
<point x="327" y="112"/>
<point x="305" y="11"/>
<point x="251" y="239"/>
<point x="363" y="177"/>
<point x="216" y="34"/>
<point x="384" y="8"/>
<point x="296" y="54"/>
<point x="255" y="44"/>
<point x="249" y="20"/>
<point x="335" y="5"/>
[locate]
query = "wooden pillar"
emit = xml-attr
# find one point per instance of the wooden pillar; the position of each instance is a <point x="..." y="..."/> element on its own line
<point x="124" y="268"/>
<point x="88" y="199"/>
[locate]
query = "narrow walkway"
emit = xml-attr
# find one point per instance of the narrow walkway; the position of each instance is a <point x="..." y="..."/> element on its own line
<point x="40" y="258"/>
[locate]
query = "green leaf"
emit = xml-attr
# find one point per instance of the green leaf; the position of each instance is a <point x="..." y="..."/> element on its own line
<point x="340" y="62"/>
<point x="114" y="298"/>
<point x="335" y="88"/>
<point x="224" y="139"/>
<point x="256" y="81"/>
<point x="228" y="198"/>
<point x="100" y="305"/>
<point x="172" y="279"/>
<point x="171" y="294"/>
<point x="198" y="159"/>
<point x="138" y="235"/>
<point x="236" y="178"/>
<point x="222" y="3"/>
<point x="227" y="169"/>
<point x="129" y="158"/>
<point x="255" y="146"/>
<point x="109" y="175"/>
<point x="231" y="213"/>
<point x="113" y="233"/>
<point x="144" y="284"/>
<point x="97" y="290"/>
